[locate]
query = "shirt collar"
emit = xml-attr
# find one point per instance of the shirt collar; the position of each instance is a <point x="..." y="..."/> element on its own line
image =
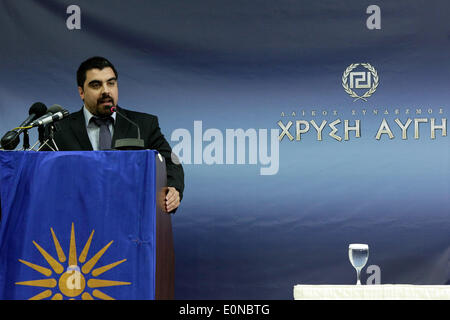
<point x="88" y="115"/>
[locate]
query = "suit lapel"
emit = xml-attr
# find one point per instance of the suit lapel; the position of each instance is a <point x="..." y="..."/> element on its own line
<point x="78" y="126"/>
<point x="122" y="129"/>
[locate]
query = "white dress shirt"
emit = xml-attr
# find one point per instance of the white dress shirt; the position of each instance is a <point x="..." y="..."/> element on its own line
<point x="93" y="130"/>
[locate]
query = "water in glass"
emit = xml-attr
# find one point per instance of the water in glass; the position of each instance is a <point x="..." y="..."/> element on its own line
<point x="358" y="255"/>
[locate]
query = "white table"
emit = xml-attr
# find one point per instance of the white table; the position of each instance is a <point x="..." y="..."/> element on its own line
<point x="371" y="292"/>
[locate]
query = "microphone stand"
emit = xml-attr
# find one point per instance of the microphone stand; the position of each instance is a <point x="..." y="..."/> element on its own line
<point x="26" y="140"/>
<point x="50" y="139"/>
<point x="34" y="145"/>
<point x="128" y="143"/>
<point x="41" y="131"/>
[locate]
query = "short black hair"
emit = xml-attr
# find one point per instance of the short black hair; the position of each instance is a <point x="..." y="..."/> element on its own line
<point x="93" y="63"/>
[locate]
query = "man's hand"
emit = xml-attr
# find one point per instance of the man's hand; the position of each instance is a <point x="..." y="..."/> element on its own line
<point x="172" y="199"/>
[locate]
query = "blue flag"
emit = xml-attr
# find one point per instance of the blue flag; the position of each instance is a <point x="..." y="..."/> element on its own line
<point x="77" y="225"/>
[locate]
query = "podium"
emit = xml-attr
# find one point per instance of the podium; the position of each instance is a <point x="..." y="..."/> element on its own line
<point x="85" y="225"/>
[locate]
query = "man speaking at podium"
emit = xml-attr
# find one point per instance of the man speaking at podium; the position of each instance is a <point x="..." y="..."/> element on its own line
<point x="97" y="127"/>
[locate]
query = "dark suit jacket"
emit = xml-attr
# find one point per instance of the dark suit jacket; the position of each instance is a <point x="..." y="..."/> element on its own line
<point x="71" y="135"/>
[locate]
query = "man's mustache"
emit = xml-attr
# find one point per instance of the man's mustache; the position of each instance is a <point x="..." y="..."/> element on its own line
<point x="104" y="99"/>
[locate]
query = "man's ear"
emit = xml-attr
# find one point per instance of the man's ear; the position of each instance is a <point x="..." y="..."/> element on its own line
<point x="81" y="92"/>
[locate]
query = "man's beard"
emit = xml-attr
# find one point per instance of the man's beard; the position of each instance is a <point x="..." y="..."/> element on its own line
<point x="105" y="104"/>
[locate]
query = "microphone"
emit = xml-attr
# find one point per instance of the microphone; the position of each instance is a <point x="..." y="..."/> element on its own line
<point x="52" y="118"/>
<point x="11" y="139"/>
<point x="128" y="143"/>
<point x="56" y="112"/>
<point x="53" y="109"/>
<point x="37" y="110"/>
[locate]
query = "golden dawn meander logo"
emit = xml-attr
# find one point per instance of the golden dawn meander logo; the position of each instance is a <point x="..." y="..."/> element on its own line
<point x="75" y="281"/>
<point x="360" y="80"/>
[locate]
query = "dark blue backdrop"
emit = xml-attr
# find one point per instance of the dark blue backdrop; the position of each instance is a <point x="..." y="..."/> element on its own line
<point x="241" y="64"/>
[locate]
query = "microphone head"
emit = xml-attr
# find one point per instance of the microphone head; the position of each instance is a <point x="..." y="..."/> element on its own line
<point x="110" y="108"/>
<point x="55" y="108"/>
<point x="10" y="140"/>
<point x="38" y="108"/>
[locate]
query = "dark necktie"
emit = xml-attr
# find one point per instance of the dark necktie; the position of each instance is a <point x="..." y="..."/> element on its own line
<point x="104" y="142"/>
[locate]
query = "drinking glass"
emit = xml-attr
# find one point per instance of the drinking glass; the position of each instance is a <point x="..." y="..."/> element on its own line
<point x="358" y="254"/>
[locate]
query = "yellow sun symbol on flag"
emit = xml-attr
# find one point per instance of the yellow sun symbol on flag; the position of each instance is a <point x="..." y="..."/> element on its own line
<point x="72" y="283"/>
